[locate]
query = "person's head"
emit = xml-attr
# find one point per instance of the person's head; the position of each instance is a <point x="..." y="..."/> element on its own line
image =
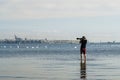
<point x="83" y="37"/>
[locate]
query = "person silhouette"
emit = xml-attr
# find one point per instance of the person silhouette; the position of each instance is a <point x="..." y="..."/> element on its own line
<point x="83" y="42"/>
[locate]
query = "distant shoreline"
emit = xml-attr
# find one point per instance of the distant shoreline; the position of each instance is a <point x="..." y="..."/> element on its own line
<point x="50" y="41"/>
<point x="18" y="40"/>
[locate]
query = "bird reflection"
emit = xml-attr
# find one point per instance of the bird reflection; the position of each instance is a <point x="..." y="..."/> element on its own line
<point x="83" y="69"/>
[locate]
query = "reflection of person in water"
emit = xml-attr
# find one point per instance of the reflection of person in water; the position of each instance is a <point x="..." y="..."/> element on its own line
<point x="83" y="69"/>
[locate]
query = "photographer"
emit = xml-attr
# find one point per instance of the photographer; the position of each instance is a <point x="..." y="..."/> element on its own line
<point x="83" y="42"/>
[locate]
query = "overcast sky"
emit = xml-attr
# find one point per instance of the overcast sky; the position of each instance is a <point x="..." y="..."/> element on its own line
<point x="98" y="20"/>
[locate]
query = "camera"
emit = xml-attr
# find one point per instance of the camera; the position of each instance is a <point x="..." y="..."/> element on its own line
<point x="79" y="38"/>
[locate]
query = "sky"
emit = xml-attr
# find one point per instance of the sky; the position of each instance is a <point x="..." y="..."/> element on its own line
<point x="98" y="20"/>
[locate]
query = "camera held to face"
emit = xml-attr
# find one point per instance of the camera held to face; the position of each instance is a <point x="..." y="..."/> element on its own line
<point x="79" y="38"/>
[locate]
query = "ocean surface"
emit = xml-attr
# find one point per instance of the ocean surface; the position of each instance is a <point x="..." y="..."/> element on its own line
<point x="59" y="62"/>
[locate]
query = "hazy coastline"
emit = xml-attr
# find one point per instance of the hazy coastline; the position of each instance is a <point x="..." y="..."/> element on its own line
<point x="18" y="40"/>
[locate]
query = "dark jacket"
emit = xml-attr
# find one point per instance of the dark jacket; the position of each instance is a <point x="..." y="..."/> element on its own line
<point x="83" y="43"/>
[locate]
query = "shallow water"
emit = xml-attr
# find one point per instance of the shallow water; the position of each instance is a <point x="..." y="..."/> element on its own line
<point x="59" y="62"/>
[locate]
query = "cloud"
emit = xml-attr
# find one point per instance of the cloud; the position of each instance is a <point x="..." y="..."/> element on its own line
<point x="36" y="9"/>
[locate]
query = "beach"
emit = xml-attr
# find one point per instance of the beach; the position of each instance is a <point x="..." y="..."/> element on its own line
<point x="59" y="62"/>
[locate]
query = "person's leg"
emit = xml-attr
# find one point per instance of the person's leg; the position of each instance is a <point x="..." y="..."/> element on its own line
<point x="84" y="53"/>
<point x="81" y="53"/>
